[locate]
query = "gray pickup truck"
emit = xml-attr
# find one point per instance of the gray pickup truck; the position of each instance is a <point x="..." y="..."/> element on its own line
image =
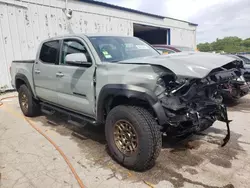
<point x="124" y="84"/>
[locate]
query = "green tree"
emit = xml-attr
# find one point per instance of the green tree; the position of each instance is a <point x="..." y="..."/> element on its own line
<point x="246" y="43"/>
<point x="205" y="47"/>
<point x="231" y="44"/>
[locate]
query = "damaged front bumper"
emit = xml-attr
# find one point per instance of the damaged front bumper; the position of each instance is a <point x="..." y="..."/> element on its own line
<point x="196" y="104"/>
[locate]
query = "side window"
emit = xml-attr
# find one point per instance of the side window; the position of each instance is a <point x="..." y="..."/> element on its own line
<point x="71" y="47"/>
<point x="50" y="52"/>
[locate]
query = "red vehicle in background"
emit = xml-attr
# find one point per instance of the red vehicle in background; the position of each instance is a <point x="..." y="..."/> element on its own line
<point x="169" y="49"/>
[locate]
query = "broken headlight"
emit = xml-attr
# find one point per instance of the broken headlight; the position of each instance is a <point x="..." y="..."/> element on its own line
<point x="181" y="80"/>
<point x="160" y="86"/>
<point x="169" y="85"/>
<point x="181" y="83"/>
<point x="240" y="79"/>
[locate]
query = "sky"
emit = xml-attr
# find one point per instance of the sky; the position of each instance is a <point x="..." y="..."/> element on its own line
<point x="216" y="18"/>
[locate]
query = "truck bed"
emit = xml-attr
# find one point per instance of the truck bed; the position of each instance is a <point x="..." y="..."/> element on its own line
<point x="22" y="66"/>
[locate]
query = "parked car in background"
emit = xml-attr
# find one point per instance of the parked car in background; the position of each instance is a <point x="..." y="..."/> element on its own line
<point x="169" y="49"/>
<point x="239" y="87"/>
<point x="246" y="60"/>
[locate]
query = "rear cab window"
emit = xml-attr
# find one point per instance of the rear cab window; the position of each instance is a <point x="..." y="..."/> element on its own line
<point x="50" y="52"/>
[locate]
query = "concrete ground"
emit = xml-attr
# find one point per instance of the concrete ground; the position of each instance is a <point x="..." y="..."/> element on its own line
<point x="27" y="159"/>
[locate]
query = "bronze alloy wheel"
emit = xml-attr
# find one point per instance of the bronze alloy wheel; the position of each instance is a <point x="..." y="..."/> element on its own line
<point x="24" y="101"/>
<point x="125" y="137"/>
<point x="133" y="137"/>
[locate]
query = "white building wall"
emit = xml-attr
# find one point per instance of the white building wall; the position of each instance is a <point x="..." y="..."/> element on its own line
<point x="24" y="24"/>
<point x="183" y="37"/>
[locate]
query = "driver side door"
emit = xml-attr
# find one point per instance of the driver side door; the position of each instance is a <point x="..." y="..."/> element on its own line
<point x="75" y="86"/>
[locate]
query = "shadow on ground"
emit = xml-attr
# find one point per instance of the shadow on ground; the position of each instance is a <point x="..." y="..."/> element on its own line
<point x="177" y="156"/>
<point x="240" y="105"/>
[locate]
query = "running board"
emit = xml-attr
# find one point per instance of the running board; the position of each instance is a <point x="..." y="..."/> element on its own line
<point x="47" y="112"/>
<point x="50" y="109"/>
<point x="76" y="123"/>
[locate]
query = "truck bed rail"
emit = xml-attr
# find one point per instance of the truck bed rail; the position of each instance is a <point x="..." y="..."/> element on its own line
<point x="23" y="61"/>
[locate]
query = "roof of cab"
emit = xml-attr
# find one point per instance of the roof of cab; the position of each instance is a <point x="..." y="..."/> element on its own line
<point x="86" y="35"/>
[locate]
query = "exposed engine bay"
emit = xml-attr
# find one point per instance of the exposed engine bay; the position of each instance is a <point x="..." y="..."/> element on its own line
<point x="194" y="104"/>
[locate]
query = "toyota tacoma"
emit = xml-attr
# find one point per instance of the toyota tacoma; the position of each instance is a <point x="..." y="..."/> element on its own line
<point x="124" y="84"/>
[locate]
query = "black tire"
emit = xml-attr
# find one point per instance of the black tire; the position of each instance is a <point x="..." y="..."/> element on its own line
<point x="33" y="108"/>
<point x="157" y="134"/>
<point x="148" y="137"/>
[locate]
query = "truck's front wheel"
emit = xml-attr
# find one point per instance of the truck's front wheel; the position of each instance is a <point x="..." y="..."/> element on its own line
<point x="133" y="137"/>
<point x="28" y="105"/>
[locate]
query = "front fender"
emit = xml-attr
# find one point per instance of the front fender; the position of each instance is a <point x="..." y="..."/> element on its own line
<point x="129" y="91"/>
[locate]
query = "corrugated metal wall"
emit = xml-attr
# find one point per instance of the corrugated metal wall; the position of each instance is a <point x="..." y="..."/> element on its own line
<point x="183" y="37"/>
<point x="25" y="23"/>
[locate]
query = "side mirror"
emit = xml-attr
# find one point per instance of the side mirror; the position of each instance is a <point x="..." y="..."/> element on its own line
<point x="77" y="59"/>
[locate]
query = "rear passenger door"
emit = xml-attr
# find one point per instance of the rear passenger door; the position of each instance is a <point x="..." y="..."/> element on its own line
<point x="45" y="69"/>
<point x="75" y="85"/>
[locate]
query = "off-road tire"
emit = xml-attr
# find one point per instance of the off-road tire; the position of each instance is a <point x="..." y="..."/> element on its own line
<point x="148" y="133"/>
<point x="157" y="134"/>
<point x="33" y="108"/>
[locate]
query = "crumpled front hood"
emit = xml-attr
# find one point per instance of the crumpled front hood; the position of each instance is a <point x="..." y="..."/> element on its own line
<point x="186" y="64"/>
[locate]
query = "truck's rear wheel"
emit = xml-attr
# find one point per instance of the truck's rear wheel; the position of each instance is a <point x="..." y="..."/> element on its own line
<point x="27" y="103"/>
<point x="133" y="137"/>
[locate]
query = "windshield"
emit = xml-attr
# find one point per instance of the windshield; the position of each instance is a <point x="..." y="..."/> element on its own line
<point x="114" y="49"/>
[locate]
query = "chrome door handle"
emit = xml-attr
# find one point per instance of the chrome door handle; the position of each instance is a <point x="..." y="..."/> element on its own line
<point x="59" y="74"/>
<point x="37" y="71"/>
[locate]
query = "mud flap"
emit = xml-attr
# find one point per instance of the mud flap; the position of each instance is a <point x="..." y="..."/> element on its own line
<point x="224" y="118"/>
